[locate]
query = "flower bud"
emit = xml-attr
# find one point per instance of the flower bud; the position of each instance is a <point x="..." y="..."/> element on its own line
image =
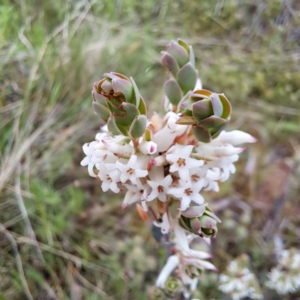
<point x="118" y="102"/>
<point x="200" y="221"/>
<point x="207" y="112"/>
<point x="148" y="147"/>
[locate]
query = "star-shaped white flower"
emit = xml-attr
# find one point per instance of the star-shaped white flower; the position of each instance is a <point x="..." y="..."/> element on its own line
<point x="187" y="191"/>
<point x="138" y="192"/>
<point x="181" y="161"/>
<point x="89" y="149"/>
<point x="160" y="189"/>
<point x="110" y="176"/>
<point x="130" y="170"/>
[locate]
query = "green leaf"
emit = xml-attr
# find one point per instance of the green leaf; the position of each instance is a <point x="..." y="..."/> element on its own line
<point x="201" y="94"/>
<point x="214" y="133"/>
<point x="138" y="126"/>
<point x="183" y="44"/>
<point x="127" y="115"/>
<point x="187" y="77"/>
<point x="136" y="92"/>
<point x="226" y="106"/>
<point x="112" y="127"/>
<point x="173" y="91"/>
<point x="124" y="87"/>
<point x="179" y="53"/>
<point x="98" y="97"/>
<point x="192" y="57"/>
<point x="217" y="104"/>
<point x="201" y="134"/>
<point x="170" y="63"/>
<point x="101" y="110"/>
<point x="142" y="107"/>
<point x="148" y="135"/>
<point x="106" y="86"/>
<point x="186" y="120"/>
<point x="212" y="122"/>
<point x="202" y="109"/>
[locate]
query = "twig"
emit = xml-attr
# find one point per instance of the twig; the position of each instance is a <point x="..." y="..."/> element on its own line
<point x="25" y="215"/>
<point x="18" y="261"/>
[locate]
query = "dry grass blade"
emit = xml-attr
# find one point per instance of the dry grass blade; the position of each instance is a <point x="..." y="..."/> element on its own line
<point x="18" y="262"/>
<point x="25" y="215"/>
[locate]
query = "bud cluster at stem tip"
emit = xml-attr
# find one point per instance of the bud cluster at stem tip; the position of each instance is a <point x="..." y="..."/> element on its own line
<point x="118" y="102"/>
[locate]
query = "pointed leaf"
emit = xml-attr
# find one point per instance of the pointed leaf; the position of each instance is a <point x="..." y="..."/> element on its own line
<point x="202" y="93"/>
<point x="120" y="75"/>
<point x="98" y="97"/>
<point x="138" y="126"/>
<point x="112" y="128"/>
<point x="183" y="44"/>
<point x="201" y="134"/>
<point x="192" y="57"/>
<point x="187" y="78"/>
<point x="101" y="110"/>
<point x="114" y="75"/>
<point x="202" y="109"/>
<point x="217" y="104"/>
<point x="226" y="106"/>
<point x="186" y="120"/>
<point x="124" y="87"/>
<point x="173" y="91"/>
<point x="148" y="135"/>
<point x="212" y="122"/>
<point x="178" y="52"/>
<point x="106" y="86"/>
<point x="170" y="63"/>
<point x="136" y="92"/>
<point x="142" y="107"/>
<point x="215" y="133"/>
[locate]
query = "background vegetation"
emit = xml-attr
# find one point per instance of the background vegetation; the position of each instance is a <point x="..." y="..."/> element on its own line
<point x="87" y="247"/>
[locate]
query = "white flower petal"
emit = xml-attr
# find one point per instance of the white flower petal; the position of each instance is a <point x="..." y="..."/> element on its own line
<point x="166" y="271"/>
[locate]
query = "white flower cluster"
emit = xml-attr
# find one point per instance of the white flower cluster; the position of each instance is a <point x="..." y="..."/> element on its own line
<point x="169" y="164"/>
<point x="285" y="278"/>
<point x="239" y="282"/>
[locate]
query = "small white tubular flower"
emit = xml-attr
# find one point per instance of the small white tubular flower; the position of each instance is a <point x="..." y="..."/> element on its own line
<point x="181" y="161"/>
<point x="166" y="136"/>
<point x="187" y="192"/>
<point x="88" y="150"/>
<point x="159" y="184"/>
<point x="169" y="267"/>
<point x="210" y="151"/>
<point x="138" y="192"/>
<point x="235" y="137"/>
<point x="148" y="147"/>
<point x="285" y="278"/>
<point x="225" y="165"/>
<point x="118" y="145"/>
<point x="130" y="170"/>
<point x="110" y="180"/>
